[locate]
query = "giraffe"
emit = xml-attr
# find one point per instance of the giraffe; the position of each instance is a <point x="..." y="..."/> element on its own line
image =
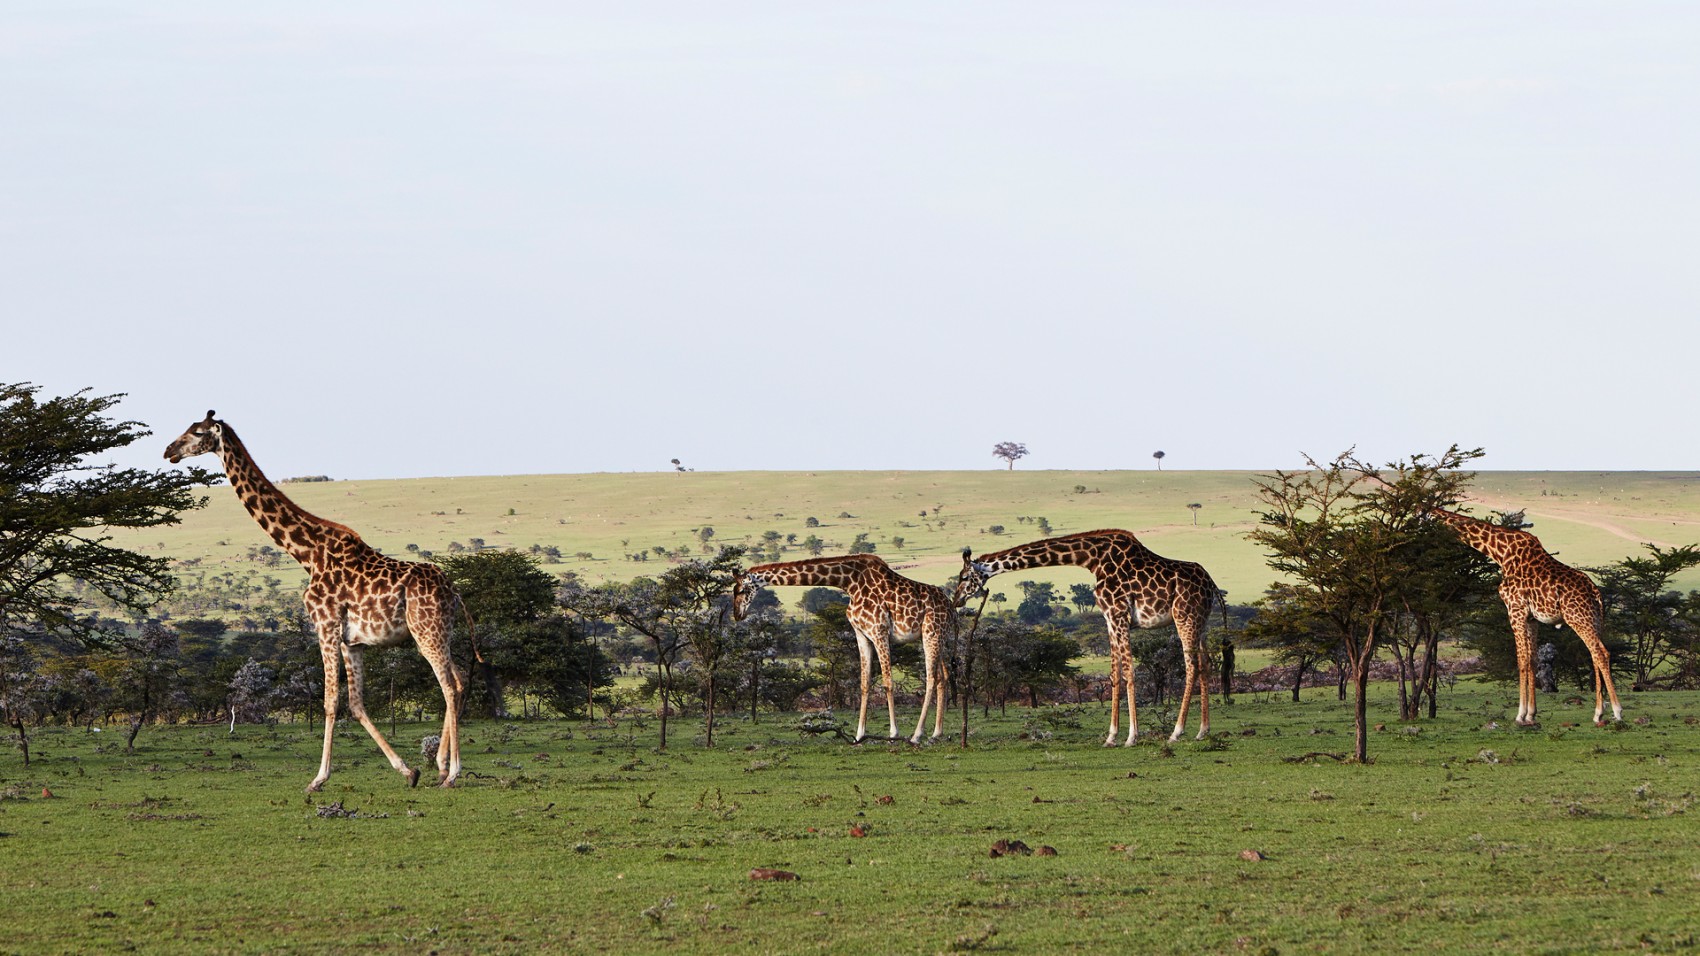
<point x="1136" y="587"/>
<point x="355" y="596"/>
<point x="1534" y="584"/>
<point x="883" y="605"/>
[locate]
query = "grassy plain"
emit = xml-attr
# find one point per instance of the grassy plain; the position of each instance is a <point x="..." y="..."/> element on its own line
<point x="581" y="837"/>
<point x="1588" y="518"/>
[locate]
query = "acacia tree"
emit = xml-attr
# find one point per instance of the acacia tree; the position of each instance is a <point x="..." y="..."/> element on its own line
<point x="57" y="511"/>
<point x="685" y="610"/>
<point x="1441" y="583"/>
<point x="147" y="676"/>
<point x="250" y="692"/>
<point x="20" y="687"/>
<point x="1641" y="606"/>
<point x="504" y="591"/>
<point x="1285" y="624"/>
<point x="1342" y="549"/>
<point x="1009" y="451"/>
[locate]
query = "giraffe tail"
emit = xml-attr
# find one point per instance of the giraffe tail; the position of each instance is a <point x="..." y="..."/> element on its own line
<point x="471" y="629"/>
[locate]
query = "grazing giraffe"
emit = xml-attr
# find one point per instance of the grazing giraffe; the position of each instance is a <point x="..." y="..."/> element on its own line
<point x="1136" y="587"/>
<point x="884" y="606"/>
<point x="1533" y="583"/>
<point x="355" y="596"/>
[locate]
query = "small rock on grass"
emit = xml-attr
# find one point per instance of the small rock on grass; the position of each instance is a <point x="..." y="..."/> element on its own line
<point x="768" y="873"/>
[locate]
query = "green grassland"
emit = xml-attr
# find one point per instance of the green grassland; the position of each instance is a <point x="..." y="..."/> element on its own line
<point x="1588" y="518"/>
<point x="582" y="837"/>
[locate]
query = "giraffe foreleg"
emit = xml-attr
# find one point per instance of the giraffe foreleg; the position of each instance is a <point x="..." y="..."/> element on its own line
<point x="1118" y="661"/>
<point x="1188" y="657"/>
<point x="353" y="658"/>
<point x="1523" y="639"/>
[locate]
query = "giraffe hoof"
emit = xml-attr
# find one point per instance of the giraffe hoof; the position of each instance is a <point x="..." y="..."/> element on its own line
<point x="412" y="775"/>
<point x="314" y="786"/>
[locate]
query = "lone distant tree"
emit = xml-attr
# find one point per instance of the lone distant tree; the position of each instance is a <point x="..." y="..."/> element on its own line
<point x="676" y="465"/>
<point x="1009" y="451"/>
<point x="1159" y="455"/>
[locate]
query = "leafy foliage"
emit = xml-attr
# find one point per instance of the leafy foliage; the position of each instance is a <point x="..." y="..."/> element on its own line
<point x="57" y="510"/>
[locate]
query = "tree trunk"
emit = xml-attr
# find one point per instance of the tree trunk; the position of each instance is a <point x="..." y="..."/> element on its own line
<point x="493" y="687"/>
<point x="1431" y="668"/>
<point x="1299" y="679"/>
<point x="710" y="701"/>
<point x="1227" y="670"/>
<point x="23" y="740"/>
<point x="1360" y="708"/>
<point x="1405" y="707"/>
<point x="666" y="689"/>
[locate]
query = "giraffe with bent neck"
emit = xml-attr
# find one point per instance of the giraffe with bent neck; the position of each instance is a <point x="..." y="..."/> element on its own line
<point x="884" y="606"/>
<point x="355" y="596"/>
<point x="1136" y="588"/>
<point x="1534" y="584"/>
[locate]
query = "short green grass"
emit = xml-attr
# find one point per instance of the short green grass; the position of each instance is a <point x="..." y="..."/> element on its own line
<point x="582" y="837"/>
<point x="1588" y="518"/>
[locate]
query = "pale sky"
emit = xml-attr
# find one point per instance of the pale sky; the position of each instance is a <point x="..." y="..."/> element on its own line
<point x="410" y="239"/>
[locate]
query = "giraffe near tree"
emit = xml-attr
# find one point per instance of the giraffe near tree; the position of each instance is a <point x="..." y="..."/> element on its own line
<point x="1534" y="584"/>
<point x="884" y="606"/>
<point x="1135" y="587"/>
<point x="355" y="596"/>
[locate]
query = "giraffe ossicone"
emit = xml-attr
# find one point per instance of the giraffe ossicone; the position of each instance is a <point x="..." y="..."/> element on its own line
<point x="356" y="597"/>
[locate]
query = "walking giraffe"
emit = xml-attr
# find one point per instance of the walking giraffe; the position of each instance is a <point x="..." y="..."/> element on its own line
<point x="1534" y="584"/>
<point x="355" y="596"/>
<point x="1136" y="587"/>
<point x="884" y="606"/>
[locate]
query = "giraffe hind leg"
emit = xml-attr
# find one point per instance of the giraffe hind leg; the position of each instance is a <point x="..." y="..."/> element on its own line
<point x="1589" y="632"/>
<point x="352" y="656"/>
<point x="429" y="622"/>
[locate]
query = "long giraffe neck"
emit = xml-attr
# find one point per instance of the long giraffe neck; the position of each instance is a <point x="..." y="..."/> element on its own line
<point x="1076" y="550"/>
<point x="294" y="529"/>
<point x="1500" y="544"/>
<point x="820" y="572"/>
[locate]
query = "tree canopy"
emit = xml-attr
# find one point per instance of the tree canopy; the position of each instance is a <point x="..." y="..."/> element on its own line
<point x="57" y="507"/>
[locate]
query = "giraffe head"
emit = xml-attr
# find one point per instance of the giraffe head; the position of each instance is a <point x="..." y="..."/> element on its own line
<point x="201" y="438"/>
<point x="744" y="588"/>
<point x="971" y="581"/>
